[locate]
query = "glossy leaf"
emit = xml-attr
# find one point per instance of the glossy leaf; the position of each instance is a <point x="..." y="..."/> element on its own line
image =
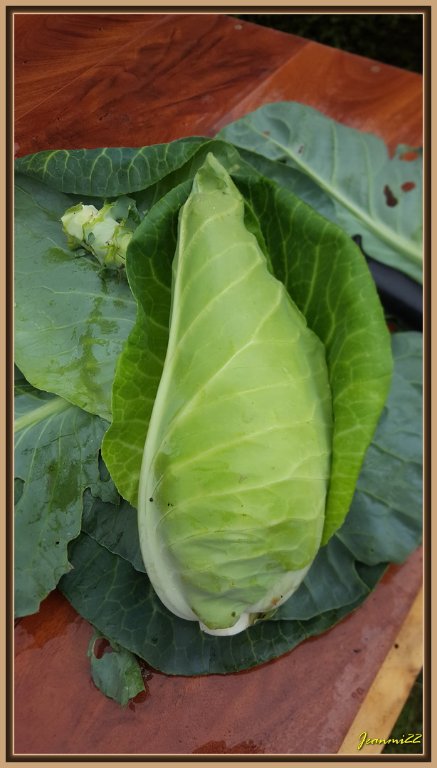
<point x="375" y="196"/>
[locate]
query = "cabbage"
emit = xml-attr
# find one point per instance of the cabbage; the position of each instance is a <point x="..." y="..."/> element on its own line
<point x="97" y="339"/>
<point x="237" y="458"/>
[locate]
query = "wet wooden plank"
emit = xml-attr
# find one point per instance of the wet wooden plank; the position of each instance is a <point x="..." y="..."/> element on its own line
<point x="302" y="702"/>
<point x="390" y="688"/>
<point x="140" y="82"/>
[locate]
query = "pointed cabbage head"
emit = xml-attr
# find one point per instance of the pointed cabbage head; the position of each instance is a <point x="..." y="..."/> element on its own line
<point x="237" y="457"/>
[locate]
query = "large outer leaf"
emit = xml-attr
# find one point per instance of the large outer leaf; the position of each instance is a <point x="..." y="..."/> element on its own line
<point x="376" y="197"/>
<point x="71" y="319"/>
<point x="326" y="276"/>
<point x="107" y="172"/>
<point x="391" y="478"/>
<point x="56" y="458"/>
<point x="121" y="603"/>
<point x="114" y="526"/>
<point x="332" y="582"/>
<point x="119" y="600"/>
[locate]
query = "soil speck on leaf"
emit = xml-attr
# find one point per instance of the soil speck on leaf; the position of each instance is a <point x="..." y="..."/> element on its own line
<point x="390" y="199"/>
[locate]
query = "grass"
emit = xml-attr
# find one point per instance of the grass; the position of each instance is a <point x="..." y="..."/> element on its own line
<point x="410" y="721"/>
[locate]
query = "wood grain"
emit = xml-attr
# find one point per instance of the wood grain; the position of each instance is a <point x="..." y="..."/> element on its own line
<point x="117" y="79"/>
<point x="67" y="47"/>
<point x="359" y="92"/>
<point x="175" y="77"/>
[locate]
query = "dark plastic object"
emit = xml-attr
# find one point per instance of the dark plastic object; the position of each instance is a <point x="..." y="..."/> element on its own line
<point x="401" y="296"/>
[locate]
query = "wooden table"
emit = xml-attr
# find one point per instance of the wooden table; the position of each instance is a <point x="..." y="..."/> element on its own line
<point x="92" y="80"/>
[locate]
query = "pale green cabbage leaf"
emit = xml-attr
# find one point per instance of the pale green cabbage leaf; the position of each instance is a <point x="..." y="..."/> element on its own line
<point x="237" y="458"/>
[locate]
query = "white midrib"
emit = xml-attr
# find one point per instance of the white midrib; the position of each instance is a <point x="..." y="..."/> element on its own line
<point x="57" y="405"/>
<point x="378" y="228"/>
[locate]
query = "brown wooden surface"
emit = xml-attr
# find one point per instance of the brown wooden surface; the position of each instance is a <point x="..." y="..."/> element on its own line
<point x="390" y="689"/>
<point x="303" y="702"/>
<point x="128" y="80"/>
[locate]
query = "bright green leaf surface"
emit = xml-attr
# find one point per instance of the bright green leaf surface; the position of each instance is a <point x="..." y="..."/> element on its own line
<point x="375" y="196"/>
<point x="56" y="458"/>
<point x="139" y="369"/>
<point x="71" y="319"/>
<point x="117" y="673"/>
<point x="385" y="521"/>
